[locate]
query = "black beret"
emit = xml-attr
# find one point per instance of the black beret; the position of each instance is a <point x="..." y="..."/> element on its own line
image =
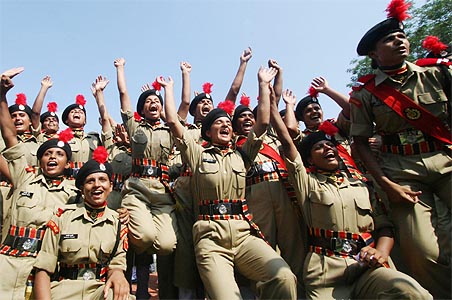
<point x="239" y="110"/>
<point x="68" y="109"/>
<point x="209" y="119"/>
<point x="308" y="141"/>
<point x="20" y="107"/>
<point x="373" y="35"/>
<point x="54" y="143"/>
<point x="90" y="167"/>
<point x="195" y="101"/>
<point x="302" y="105"/>
<point x="142" y="99"/>
<point x="48" y="114"/>
<point x="443" y="54"/>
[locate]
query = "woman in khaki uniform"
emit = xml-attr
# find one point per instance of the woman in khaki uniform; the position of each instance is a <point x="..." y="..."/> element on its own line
<point x="87" y="241"/>
<point x="222" y="235"/>
<point x="34" y="199"/>
<point x="349" y="239"/>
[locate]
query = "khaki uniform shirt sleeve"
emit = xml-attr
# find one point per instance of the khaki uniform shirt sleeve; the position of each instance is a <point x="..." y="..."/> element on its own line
<point x="48" y="255"/>
<point x="118" y="260"/>
<point x="17" y="162"/>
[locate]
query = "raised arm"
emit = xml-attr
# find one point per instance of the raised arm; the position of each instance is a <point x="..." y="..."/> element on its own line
<point x="290" y="120"/>
<point x="177" y="129"/>
<point x="184" y="106"/>
<point x="321" y="85"/>
<point x="7" y="127"/>
<point x="46" y="84"/>
<point x="289" y="149"/>
<point x="97" y="88"/>
<point x="278" y="84"/>
<point x="264" y="76"/>
<point x="122" y="87"/>
<point x="238" y="80"/>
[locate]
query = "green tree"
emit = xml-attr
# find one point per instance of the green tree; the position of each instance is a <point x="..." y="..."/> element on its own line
<point x="432" y="18"/>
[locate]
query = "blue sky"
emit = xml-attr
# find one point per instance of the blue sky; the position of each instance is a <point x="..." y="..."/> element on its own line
<point x="74" y="41"/>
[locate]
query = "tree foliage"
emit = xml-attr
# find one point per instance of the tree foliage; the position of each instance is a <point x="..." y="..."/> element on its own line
<point x="432" y="18"/>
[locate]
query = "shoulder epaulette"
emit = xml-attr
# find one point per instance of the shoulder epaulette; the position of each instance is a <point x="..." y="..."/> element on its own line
<point x="427" y="62"/>
<point x="53" y="226"/>
<point x="362" y="81"/>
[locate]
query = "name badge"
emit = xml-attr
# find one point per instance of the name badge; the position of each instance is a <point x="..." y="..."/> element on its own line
<point x="69" y="236"/>
<point x="26" y="194"/>
<point x="209" y="160"/>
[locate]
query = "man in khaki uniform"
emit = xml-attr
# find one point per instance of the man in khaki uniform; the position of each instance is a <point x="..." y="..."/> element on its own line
<point x="350" y="238"/>
<point x="222" y="234"/>
<point x="86" y="241"/>
<point x="415" y="164"/>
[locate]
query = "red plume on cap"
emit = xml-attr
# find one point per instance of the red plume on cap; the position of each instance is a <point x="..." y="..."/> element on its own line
<point x="228" y="106"/>
<point x="328" y="128"/>
<point x="433" y="44"/>
<point x="66" y="135"/>
<point x="21" y="99"/>
<point x="312" y="92"/>
<point x="156" y="86"/>
<point x="52" y="107"/>
<point x="100" y="154"/>
<point x="80" y="100"/>
<point x="245" y="100"/>
<point x="398" y="9"/>
<point x="137" y="117"/>
<point x="207" y="87"/>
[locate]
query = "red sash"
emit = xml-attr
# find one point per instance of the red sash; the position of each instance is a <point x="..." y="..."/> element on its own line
<point x="266" y="150"/>
<point x="410" y="111"/>
<point x="425" y="62"/>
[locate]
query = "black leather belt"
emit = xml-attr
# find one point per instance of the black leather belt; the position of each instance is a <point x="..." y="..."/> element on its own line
<point x="221" y="209"/>
<point x="23" y="243"/>
<point x="349" y="246"/>
<point x="80" y="273"/>
<point x="146" y="171"/>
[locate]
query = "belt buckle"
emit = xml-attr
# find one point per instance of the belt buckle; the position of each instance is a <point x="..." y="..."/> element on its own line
<point x="28" y="244"/>
<point x="148" y="170"/>
<point x="267" y="167"/>
<point x="86" y="274"/>
<point x="222" y="208"/>
<point x="411" y="137"/>
<point x="343" y="245"/>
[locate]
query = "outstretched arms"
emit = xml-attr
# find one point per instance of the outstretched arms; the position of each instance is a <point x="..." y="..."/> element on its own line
<point x="238" y="79"/>
<point x="122" y="87"/>
<point x="177" y="129"/>
<point x="46" y="84"/>
<point x="184" y="106"/>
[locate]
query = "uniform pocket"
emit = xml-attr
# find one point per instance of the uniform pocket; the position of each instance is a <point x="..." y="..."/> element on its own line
<point x="70" y="248"/>
<point x="322" y="210"/>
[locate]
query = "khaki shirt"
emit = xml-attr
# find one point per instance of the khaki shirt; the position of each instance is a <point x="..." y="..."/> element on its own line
<point x="76" y="239"/>
<point x="424" y="85"/>
<point x="33" y="200"/>
<point x="339" y="207"/>
<point x="148" y="141"/>
<point x="82" y="148"/>
<point x="218" y="175"/>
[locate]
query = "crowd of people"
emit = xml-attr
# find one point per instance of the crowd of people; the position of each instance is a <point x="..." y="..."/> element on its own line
<point x="241" y="203"/>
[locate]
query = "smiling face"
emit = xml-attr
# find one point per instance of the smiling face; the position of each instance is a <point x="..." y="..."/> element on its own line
<point x="152" y="108"/>
<point x="53" y="162"/>
<point x="323" y="155"/>
<point x="96" y="188"/>
<point x="21" y="121"/>
<point x="312" y="116"/>
<point x="391" y="50"/>
<point x="203" y="107"/>
<point x="245" y="122"/>
<point x="50" y="125"/>
<point x="76" y="118"/>
<point x="220" y="132"/>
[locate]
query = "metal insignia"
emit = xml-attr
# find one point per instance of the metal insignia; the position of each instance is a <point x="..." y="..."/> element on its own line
<point x="222" y="209"/>
<point x="88" y="275"/>
<point x="412" y="113"/>
<point x="27" y="244"/>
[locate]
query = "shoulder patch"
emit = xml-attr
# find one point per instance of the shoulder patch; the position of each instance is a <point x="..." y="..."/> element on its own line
<point x="53" y="226"/>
